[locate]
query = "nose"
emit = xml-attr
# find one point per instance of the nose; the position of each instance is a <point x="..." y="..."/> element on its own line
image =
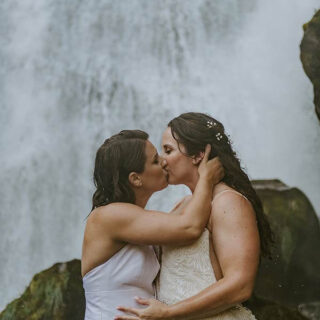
<point x="163" y="162"/>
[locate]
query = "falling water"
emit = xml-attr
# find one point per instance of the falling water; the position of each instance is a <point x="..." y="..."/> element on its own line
<point x="74" y="72"/>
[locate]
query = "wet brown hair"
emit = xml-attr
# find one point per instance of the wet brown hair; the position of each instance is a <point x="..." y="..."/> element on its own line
<point x="117" y="157"/>
<point x="194" y="131"/>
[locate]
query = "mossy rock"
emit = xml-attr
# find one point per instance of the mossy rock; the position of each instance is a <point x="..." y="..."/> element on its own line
<point x="293" y="276"/>
<point x="53" y="294"/>
<point x="310" y="56"/>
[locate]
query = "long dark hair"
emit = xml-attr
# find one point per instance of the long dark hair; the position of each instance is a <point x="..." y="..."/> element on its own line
<point x="115" y="159"/>
<point x="194" y="131"/>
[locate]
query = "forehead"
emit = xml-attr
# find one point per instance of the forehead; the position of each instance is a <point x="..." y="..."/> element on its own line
<point x="170" y="141"/>
<point x="150" y="149"/>
<point x="167" y="138"/>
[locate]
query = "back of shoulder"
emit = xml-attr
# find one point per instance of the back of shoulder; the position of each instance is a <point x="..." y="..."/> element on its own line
<point x="229" y="198"/>
<point x="114" y="212"/>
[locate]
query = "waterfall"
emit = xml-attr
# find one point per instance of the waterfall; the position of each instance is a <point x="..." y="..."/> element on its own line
<point x="74" y="72"/>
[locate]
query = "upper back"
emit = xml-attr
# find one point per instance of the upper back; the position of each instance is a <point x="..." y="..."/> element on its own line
<point x="98" y="245"/>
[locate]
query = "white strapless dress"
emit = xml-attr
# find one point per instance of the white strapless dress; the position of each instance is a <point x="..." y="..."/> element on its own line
<point x="187" y="270"/>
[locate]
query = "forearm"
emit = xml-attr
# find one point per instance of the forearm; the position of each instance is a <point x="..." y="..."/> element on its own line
<point x="212" y="300"/>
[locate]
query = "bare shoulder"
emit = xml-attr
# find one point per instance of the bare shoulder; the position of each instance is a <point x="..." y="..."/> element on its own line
<point x="231" y="202"/>
<point x="113" y="212"/>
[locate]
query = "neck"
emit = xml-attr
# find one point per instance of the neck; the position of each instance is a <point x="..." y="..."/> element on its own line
<point x="191" y="183"/>
<point x="142" y="199"/>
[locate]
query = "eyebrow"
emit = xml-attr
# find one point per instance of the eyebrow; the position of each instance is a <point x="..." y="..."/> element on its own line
<point x="167" y="146"/>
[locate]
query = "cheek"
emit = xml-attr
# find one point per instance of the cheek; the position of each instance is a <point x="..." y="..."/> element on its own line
<point x="158" y="173"/>
<point x="182" y="160"/>
<point x="173" y="160"/>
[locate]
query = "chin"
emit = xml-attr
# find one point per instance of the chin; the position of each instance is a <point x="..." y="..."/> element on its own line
<point x="165" y="185"/>
<point x="172" y="181"/>
<point x="162" y="187"/>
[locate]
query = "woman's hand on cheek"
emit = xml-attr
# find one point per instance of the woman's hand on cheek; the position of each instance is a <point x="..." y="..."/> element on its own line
<point x="155" y="310"/>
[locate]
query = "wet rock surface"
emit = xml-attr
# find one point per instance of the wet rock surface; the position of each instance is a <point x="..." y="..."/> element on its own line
<point x="310" y="56"/>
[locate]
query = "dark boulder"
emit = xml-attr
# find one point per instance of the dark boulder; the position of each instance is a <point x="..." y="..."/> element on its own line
<point x="293" y="276"/>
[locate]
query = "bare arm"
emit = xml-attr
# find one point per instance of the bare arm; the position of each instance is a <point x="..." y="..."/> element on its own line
<point x="236" y="243"/>
<point x="130" y="223"/>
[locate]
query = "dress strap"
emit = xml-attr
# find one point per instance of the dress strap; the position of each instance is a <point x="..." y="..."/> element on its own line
<point x="228" y="190"/>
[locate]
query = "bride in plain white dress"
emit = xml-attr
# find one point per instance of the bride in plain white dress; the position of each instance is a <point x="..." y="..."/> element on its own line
<point x="210" y="278"/>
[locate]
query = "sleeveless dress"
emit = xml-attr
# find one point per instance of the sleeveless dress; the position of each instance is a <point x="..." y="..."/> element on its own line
<point x="128" y="273"/>
<point x="187" y="270"/>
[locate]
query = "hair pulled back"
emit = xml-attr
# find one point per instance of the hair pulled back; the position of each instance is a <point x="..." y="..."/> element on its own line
<point x="194" y="131"/>
<point x="117" y="157"/>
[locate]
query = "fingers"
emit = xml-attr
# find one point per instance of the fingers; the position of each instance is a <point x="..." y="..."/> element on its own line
<point x="217" y="168"/>
<point x="220" y="169"/>
<point x="144" y="302"/>
<point x="207" y="152"/>
<point x="129" y="310"/>
<point x="134" y="311"/>
<point x="126" y="317"/>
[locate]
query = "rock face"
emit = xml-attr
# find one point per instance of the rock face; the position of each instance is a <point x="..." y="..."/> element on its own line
<point x="293" y="276"/>
<point x="55" y="293"/>
<point x="310" y="56"/>
<point x="286" y="285"/>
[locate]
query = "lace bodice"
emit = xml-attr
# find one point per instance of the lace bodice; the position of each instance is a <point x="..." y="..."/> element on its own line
<point x="187" y="270"/>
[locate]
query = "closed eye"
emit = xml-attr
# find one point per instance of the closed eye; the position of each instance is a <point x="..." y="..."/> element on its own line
<point x="156" y="160"/>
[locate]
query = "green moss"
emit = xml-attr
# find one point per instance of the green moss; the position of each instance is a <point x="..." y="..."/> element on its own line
<point x="49" y="296"/>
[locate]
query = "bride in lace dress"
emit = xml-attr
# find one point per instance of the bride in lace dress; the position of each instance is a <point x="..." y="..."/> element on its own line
<point x="211" y="277"/>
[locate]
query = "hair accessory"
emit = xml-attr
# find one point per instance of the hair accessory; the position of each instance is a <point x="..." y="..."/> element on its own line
<point x="211" y="124"/>
<point x="219" y="136"/>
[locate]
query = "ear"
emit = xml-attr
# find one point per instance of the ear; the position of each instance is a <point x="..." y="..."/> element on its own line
<point x="135" y="180"/>
<point x="197" y="159"/>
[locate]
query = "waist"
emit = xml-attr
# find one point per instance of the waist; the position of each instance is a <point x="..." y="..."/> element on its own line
<point x="102" y="305"/>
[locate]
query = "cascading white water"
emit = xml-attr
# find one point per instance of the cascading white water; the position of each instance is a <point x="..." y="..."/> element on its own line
<point x="72" y="73"/>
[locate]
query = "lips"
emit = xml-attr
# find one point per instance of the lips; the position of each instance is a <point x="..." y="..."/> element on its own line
<point x="166" y="173"/>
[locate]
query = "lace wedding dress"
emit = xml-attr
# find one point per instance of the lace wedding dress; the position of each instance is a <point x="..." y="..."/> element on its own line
<point x="187" y="270"/>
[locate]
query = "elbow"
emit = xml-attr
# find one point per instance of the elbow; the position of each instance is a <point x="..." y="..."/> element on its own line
<point x="246" y="294"/>
<point x="242" y="293"/>
<point x="193" y="233"/>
